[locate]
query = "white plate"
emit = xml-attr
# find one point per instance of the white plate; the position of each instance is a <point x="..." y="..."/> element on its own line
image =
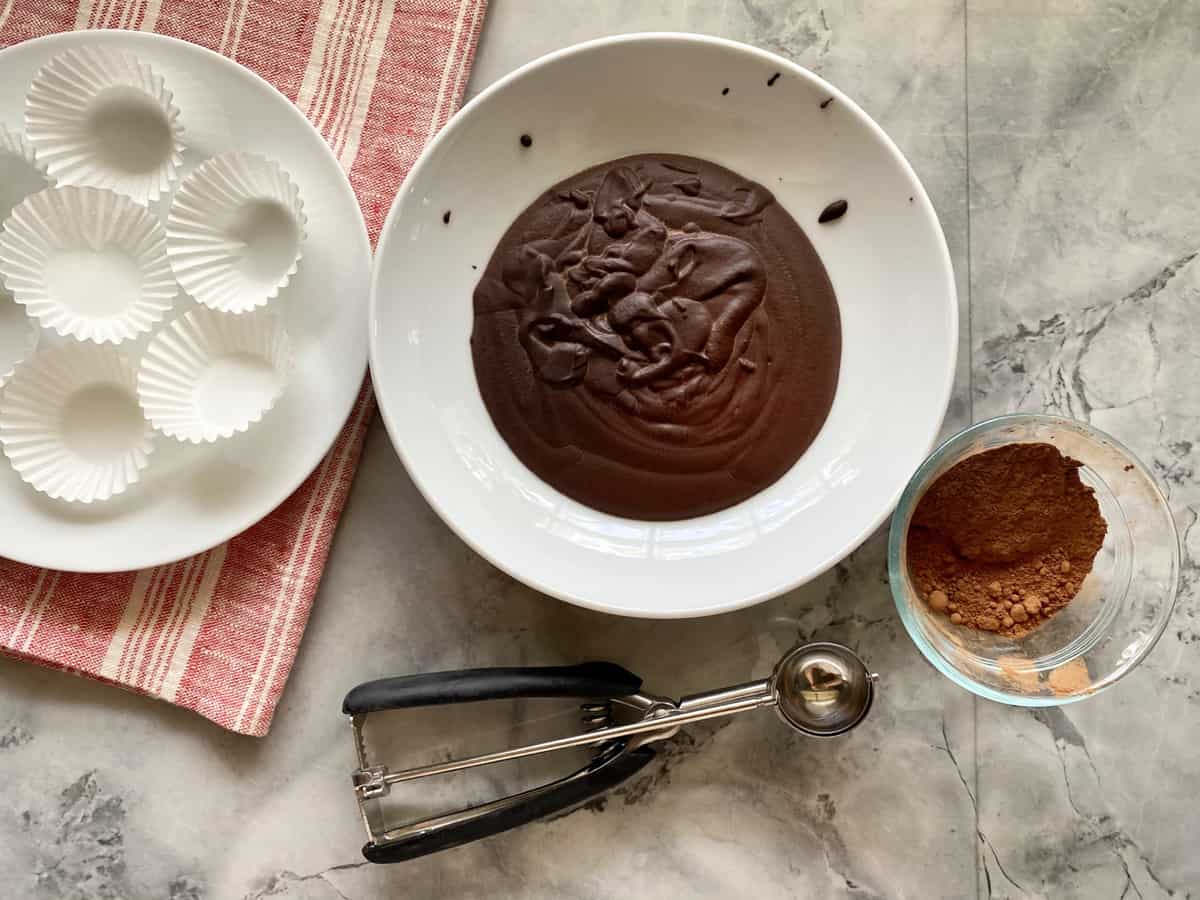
<point x="193" y="498"/>
<point x="643" y="93"/>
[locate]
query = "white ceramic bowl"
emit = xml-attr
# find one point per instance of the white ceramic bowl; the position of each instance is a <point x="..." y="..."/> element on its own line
<point x="605" y="99"/>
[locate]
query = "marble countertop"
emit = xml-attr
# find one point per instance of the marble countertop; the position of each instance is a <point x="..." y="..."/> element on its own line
<point x="1060" y="142"/>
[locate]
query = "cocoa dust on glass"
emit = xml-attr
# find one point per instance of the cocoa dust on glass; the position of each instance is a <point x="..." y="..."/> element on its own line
<point x="1004" y="539"/>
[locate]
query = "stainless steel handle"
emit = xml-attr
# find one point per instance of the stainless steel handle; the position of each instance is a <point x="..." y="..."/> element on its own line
<point x="663" y="720"/>
<point x="719" y="698"/>
<point x="610" y="767"/>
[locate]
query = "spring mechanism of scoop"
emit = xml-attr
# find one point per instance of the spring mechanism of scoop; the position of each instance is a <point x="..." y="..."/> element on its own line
<point x="596" y="714"/>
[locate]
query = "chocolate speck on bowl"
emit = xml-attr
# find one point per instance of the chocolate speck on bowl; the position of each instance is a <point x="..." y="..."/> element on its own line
<point x="833" y="212"/>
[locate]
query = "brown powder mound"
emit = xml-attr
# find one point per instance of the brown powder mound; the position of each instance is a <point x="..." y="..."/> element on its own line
<point x="1004" y="539"/>
<point x="1070" y="678"/>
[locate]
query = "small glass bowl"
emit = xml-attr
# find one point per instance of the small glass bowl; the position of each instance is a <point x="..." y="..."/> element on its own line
<point x="1121" y="609"/>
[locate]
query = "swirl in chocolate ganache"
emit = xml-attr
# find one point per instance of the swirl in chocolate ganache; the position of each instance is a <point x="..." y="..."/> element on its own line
<point x="657" y="338"/>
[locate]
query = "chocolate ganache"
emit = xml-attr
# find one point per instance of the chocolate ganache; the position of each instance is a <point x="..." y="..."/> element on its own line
<point x="656" y="338"/>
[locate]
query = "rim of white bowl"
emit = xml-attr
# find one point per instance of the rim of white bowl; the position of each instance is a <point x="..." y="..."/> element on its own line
<point x="396" y="431"/>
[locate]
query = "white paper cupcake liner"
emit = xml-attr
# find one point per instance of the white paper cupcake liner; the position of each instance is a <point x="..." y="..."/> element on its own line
<point x="235" y="231"/>
<point x="19" y="336"/>
<point x="87" y="263"/>
<point x="207" y="376"/>
<point x="70" y="424"/>
<point x="20" y="172"/>
<point x="101" y="118"/>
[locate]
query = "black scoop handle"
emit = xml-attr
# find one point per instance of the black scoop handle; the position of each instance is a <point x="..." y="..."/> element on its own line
<point x="603" y="775"/>
<point x="591" y="679"/>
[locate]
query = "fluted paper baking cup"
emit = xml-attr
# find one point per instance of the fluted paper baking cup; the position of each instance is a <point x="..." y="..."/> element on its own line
<point x="103" y="119"/>
<point x="235" y="231"/>
<point x="70" y="423"/>
<point x="208" y="376"/>
<point x="90" y="264"/>
<point x="20" y="176"/>
<point x="18" y="336"/>
<point x="20" y="172"/>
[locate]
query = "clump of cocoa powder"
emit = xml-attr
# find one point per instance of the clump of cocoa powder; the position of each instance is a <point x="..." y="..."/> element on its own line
<point x="1005" y="538"/>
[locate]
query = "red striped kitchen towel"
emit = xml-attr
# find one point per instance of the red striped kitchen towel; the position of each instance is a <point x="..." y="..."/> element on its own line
<point x="218" y="633"/>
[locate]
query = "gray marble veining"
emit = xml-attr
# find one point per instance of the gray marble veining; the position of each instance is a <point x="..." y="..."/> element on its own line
<point x="1085" y="290"/>
<point x="1060" y="142"/>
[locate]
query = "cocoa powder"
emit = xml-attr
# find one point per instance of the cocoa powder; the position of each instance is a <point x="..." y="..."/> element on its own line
<point x="1004" y="539"/>
<point x="1070" y="678"/>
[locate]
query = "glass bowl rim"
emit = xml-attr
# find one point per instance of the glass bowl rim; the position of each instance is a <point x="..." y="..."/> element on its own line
<point x="896" y="581"/>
